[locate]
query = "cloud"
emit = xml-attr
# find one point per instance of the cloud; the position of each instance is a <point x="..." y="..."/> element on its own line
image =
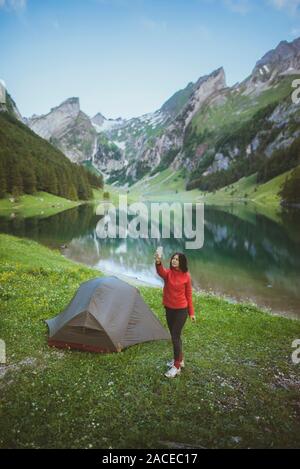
<point x="290" y="6"/>
<point x="238" y="6"/>
<point x="18" y="4"/>
<point x="241" y="7"/>
<point x="14" y="5"/>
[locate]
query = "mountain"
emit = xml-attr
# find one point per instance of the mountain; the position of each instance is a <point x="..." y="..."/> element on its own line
<point x="281" y="61"/>
<point x="7" y="104"/>
<point x="174" y="104"/>
<point x="256" y="125"/>
<point x="28" y="163"/>
<point x="223" y="133"/>
<point x="154" y="141"/>
<point x="80" y="138"/>
<point x="213" y="133"/>
<point x="102" y="124"/>
<point x="67" y="128"/>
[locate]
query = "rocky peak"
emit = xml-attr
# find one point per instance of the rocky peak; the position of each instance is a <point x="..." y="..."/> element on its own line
<point x="205" y="87"/>
<point x="219" y="73"/>
<point x="283" y="60"/>
<point x="175" y="103"/>
<point x="7" y="104"/>
<point x="70" y="106"/>
<point x="101" y="124"/>
<point x="57" y="120"/>
<point x="98" y="119"/>
<point x="284" y="52"/>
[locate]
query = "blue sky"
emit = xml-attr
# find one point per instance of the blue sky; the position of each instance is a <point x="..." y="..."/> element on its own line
<point x="126" y="57"/>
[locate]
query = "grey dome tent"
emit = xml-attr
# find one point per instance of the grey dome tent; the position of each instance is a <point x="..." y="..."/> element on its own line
<point x="106" y="314"/>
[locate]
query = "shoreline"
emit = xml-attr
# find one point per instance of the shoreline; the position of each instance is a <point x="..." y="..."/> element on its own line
<point x="135" y="281"/>
<point x="127" y="278"/>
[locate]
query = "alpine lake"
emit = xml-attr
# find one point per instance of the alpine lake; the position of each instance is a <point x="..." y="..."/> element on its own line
<point x="245" y="257"/>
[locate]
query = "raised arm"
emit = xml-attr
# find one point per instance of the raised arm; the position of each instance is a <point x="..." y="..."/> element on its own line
<point x="162" y="272"/>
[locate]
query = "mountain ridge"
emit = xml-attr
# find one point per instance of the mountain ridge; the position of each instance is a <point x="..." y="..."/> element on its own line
<point x="192" y="129"/>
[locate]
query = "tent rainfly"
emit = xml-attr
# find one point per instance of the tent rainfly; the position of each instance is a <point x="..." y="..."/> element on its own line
<point x="106" y="314"/>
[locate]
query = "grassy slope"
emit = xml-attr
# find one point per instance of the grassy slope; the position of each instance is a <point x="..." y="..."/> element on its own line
<point x="115" y="191"/>
<point x="167" y="185"/>
<point x="41" y="204"/>
<point x="247" y="189"/>
<point x="168" y="182"/>
<point x="259" y="198"/>
<point x="239" y="109"/>
<point x="238" y="371"/>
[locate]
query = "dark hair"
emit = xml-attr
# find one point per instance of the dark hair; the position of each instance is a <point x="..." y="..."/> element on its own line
<point x="182" y="261"/>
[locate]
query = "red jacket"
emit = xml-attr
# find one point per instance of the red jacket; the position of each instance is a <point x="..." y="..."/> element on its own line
<point x="177" y="291"/>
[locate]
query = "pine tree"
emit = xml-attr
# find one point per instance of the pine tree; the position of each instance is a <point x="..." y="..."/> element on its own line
<point x="3" y="185"/>
<point x="52" y="182"/>
<point x="82" y="188"/>
<point x="17" y="182"/>
<point x="63" y="186"/>
<point x="39" y="177"/>
<point x="290" y="192"/>
<point x="29" y="180"/>
<point x="16" y="193"/>
<point x="72" y="192"/>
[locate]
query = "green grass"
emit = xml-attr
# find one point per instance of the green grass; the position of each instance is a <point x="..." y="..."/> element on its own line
<point x="97" y="195"/>
<point x="41" y="204"/>
<point x="267" y="193"/>
<point x="248" y="189"/>
<point x="259" y="198"/>
<point x="112" y="191"/>
<point x="239" y="388"/>
<point x="239" y="109"/>
<point x="169" y="186"/>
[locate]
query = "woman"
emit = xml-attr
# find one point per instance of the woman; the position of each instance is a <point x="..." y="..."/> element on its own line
<point x="177" y="299"/>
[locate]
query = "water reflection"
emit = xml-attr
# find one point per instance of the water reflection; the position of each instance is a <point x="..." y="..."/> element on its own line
<point x="54" y="230"/>
<point x="248" y="259"/>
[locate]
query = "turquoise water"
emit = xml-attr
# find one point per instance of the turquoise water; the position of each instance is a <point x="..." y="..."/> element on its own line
<point x="245" y="257"/>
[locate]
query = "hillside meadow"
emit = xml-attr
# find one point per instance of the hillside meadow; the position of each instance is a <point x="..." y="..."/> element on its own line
<point x="239" y="388"/>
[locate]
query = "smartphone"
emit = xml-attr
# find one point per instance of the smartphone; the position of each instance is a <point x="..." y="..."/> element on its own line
<point x="159" y="251"/>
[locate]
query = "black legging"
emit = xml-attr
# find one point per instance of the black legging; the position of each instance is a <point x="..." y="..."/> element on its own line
<point x="176" y="319"/>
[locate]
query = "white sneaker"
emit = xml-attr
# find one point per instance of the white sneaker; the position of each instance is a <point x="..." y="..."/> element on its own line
<point x="172" y="372"/>
<point x="171" y="363"/>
